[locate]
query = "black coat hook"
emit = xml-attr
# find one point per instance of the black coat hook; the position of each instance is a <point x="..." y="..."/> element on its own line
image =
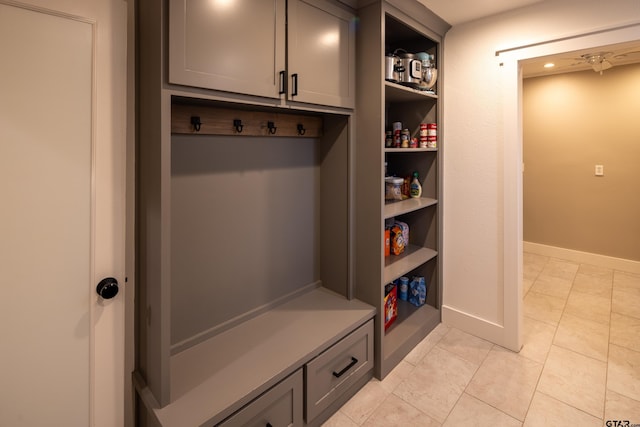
<point x="272" y="128"/>
<point x="196" y="123"/>
<point x="301" y="129"/>
<point x="237" y="123"/>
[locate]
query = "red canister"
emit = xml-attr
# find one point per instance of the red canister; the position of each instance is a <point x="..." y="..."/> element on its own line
<point x="397" y="129"/>
<point x="432" y="139"/>
<point x="423" y="135"/>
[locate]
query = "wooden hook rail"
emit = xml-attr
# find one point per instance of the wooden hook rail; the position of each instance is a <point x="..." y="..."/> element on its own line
<point x="214" y="120"/>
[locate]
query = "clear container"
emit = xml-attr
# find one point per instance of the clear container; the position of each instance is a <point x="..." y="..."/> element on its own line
<point x="393" y="188"/>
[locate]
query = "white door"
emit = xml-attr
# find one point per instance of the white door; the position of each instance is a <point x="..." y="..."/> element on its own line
<point x="62" y="211"/>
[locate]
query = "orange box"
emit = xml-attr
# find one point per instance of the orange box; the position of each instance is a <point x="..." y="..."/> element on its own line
<point x="387" y="242"/>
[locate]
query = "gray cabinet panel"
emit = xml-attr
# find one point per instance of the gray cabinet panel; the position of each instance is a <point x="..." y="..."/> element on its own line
<point x="280" y="406"/>
<point x="321" y="53"/>
<point x="332" y="372"/>
<point x="234" y="46"/>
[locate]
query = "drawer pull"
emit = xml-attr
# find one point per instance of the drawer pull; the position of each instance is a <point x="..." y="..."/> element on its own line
<point x="268" y="425"/>
<point x="349" y="366"/>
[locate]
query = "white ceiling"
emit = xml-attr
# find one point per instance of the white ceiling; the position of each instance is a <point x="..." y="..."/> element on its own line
<point x="459" y="11"/>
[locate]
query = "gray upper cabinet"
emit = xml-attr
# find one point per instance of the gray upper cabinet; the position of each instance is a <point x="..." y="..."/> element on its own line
<point x="321" y="53"/>
<point x="214" y="45"/>
<point x="243" y="47"/>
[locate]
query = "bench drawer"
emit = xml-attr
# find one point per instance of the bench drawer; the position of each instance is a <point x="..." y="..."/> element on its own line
<point x="280" y="406"/>
<point x="333" y="371"/>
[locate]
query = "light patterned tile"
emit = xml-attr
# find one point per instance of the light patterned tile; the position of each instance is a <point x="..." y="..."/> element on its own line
<point x="471" y="412"/>
<point x="602" y="273"/>
<point x="416" y="355"/>
<point x="625" y="331"/>
<point x="561" y="269"/>
<point x="532" y="265"/>
<point x="526" y="286"/>
<point x="619" y="407"/>
<point x="542" y="307"/>
<point x="626" y="294"/>
<point x="465" y="345"/>
<point x="402" y="371"/>
<point x="623" y="375"/>
<point x="537" y="339"/>
<point x="574" y="379"/>
<point x="592" y="307"/>
<point x="529" y="258"/>
<point x="367" y="400"/>
<point x="339" y="419"/>
<point x="626" y="281"/>
<point x="594" y="280"/>
<point x="545" y="411"/>
<point x="596" y="271"/>
<point x="583" y="336"/>
<point x="437" y="383"/>
<point x="626" y="302"/>
<point x="396" y="412"/>
<point x="506" y="381"/>
<point x="553" y="286"/>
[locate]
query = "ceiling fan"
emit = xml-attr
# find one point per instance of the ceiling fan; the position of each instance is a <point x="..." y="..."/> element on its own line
<point x="600" y="61"/>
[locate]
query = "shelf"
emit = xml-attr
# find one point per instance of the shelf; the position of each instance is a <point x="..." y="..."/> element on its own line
<point x="399" y="93"/>
<point x="413" y="256"/>
<point x="408" y="328"/>
<point x="405" y="206"/>
<point x="408" y="150"/>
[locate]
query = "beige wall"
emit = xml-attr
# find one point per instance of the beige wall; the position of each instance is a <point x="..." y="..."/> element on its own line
<point x="571" y="122"/>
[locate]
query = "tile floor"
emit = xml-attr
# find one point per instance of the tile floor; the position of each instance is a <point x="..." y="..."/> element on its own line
<point x="580" y="364"/>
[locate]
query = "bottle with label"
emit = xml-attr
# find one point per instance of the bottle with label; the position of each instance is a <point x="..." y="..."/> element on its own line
<point x="415" y="189"/>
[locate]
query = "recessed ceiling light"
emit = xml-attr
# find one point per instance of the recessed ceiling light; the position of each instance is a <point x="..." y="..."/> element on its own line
<point x="549" y="65"/>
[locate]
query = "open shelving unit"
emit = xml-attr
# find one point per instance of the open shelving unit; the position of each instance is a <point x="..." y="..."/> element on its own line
<point x="384" y="27"/>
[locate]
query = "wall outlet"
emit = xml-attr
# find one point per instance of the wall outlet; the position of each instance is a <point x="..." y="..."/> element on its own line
<point x="599" y="170"/>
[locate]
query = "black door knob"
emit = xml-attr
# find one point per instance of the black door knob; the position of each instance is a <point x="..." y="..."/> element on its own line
<point x="107" y="288"/>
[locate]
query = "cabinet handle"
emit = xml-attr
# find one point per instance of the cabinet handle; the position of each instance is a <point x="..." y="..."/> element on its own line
<point x="294" y="82"/>
<point x="268" y="425"/>
<point x="349" y="366"/>
<point x="283" y="81"/>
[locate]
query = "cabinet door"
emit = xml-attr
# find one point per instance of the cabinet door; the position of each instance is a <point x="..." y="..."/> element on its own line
<point x="321" y="61"/>
<point x="280" y="406"/>
<point x="236" y="46"/>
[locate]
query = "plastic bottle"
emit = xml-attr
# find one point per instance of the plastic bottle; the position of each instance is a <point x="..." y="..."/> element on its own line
<point x="415" y="190"/>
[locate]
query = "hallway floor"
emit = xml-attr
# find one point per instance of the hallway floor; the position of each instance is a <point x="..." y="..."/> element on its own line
<point x="579" y="366"/>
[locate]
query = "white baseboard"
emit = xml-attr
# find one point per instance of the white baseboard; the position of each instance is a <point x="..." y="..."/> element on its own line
<point x="627" y="265"/>
<point x="481" y="328"/>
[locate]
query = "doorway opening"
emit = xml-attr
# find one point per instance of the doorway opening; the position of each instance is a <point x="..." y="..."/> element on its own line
<point x="512" y="61"/>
